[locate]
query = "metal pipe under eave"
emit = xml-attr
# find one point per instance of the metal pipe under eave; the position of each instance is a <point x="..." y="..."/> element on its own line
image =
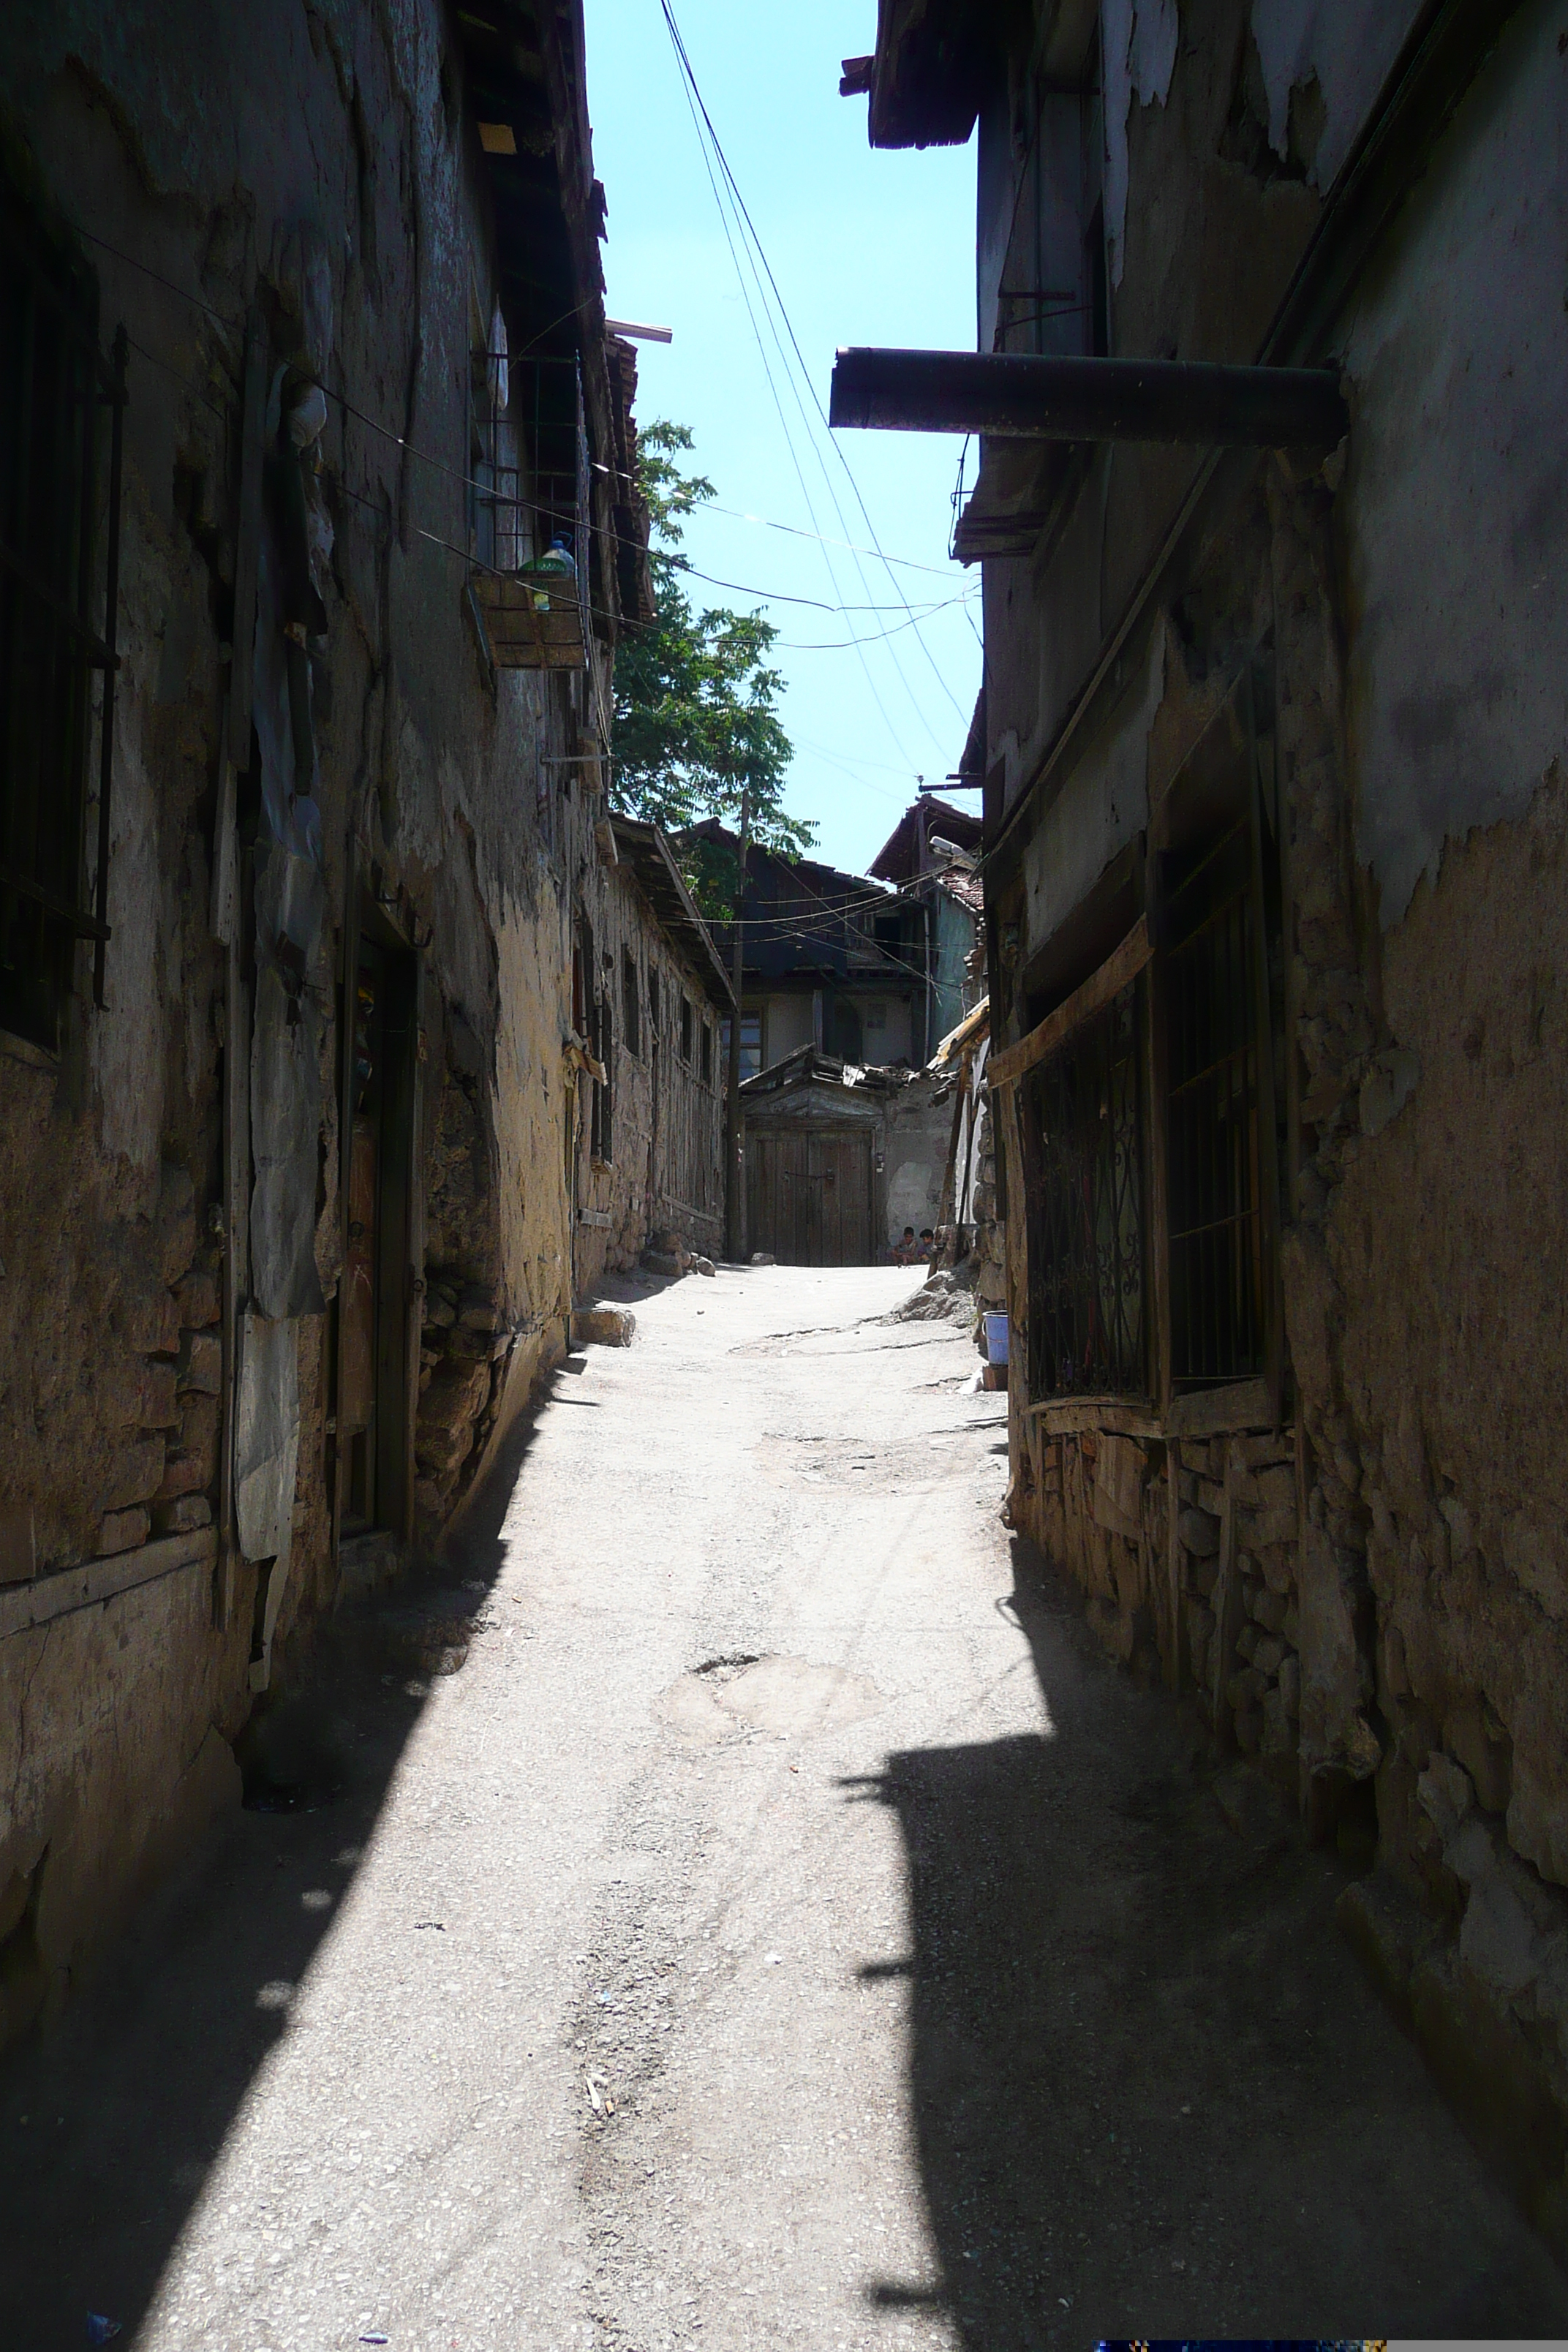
<point x="1202" y="402"/>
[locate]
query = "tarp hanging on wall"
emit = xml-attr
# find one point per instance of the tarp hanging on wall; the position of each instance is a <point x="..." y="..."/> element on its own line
<point x="266" y="1436"/>
<point x="286" y="1083"/>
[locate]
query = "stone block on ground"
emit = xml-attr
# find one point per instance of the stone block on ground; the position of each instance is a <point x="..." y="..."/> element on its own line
<point x="703" y="1265"/>
<point x="661" y="1262"/>
<point x="763" y="1257"/>
<point x="604" y="1327"/>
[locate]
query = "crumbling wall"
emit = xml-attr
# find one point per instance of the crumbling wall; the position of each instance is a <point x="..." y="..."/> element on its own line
<point x="312" y="165"/>
<point x="1373" y="1599"/>
<point x="915" y="1131"/>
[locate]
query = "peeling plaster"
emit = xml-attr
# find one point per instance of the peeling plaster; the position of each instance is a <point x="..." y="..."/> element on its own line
<point x="1347" y="51"/>
<point x="1140" y="39"/>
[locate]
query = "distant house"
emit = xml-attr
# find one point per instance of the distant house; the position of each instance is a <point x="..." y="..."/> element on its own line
<point x="847" y="963"/>
<point x="840" y="1160"/>
<point x="930" y="857"/>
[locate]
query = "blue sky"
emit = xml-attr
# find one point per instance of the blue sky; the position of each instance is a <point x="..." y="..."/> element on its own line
<point x="867" y="249"/>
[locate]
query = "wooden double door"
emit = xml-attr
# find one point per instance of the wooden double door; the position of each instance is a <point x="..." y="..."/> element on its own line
<point x="808" y="1196"/>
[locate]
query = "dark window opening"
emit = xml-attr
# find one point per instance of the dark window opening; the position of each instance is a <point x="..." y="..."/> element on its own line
<point x="631" y="1003"/>
<point x="653" y="1002"/>
<point x="707" y="1053"/>
<point x="750" y="1044"/>
<point x="1083" y="1143"/>
<point x="53" y="389"/>
<point x="843" y="1035"/>
<point x="1214" y="1141"/>
<point x="605" y="1051"/>
<point x="686" y="1029"/>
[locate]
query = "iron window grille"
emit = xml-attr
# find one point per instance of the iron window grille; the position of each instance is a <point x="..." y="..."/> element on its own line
<point x="54" y="387"/>
<point x="631" y="1004"/>
<point x="1214" y="1142"/>
<point x="1083" y="1139"/>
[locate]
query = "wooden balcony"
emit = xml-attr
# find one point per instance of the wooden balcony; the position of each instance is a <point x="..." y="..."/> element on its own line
<point x="519" y="635"/>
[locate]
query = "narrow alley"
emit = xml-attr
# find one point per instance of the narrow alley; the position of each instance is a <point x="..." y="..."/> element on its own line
<point x="784" y="1926"/>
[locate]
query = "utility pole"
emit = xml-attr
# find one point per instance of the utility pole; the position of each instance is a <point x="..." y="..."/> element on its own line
<point x="733" y="1196"/>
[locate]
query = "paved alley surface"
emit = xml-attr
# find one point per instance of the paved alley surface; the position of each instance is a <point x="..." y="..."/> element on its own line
<point x="784" y="1929"/>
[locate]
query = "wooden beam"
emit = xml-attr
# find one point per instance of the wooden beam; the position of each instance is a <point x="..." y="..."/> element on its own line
<point x="1123" y="964"/>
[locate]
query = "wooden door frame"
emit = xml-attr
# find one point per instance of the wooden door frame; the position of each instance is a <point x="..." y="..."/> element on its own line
<point x="399" y="1275"/>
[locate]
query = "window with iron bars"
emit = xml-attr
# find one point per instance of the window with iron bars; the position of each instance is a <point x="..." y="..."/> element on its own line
<point x="1083" y="1142"/>
<point x="1218" y="1103"/>
<point x="58" y="588"/>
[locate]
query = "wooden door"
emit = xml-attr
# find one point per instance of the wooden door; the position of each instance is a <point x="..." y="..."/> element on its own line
<point x="808" y="1197"/>
<point x="840" y="1180"/>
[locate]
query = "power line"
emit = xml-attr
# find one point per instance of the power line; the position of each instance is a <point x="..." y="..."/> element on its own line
<point x="878" y="637"/>
<point x="805" y="373"/>
<point x="699" y="116"/>
<point x="777" y="596"/>
<point x="904" y="562"/>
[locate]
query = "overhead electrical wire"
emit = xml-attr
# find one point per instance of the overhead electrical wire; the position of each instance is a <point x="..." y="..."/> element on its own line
<point x="699" y="113"/>
<point x="777" y="596"/>
<point x="756" y="243"/>
<point x="794" y="531"/>
<point x="878" y="636"/>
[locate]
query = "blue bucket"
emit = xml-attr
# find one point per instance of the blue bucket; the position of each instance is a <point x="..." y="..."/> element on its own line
<point x="996" y="1339"/>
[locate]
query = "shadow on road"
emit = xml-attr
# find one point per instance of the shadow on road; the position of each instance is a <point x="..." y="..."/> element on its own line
<point x="111" y="2119"/>
<point x="1151" y="2095"/>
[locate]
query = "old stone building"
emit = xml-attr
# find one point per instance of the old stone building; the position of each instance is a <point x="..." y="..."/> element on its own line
<point x="1274" y="733"/>
<point x="318" y="521"/>
<point x="830" y="959"/>
<point x="650" y="1157"/>
<point x="839" y="1157"/>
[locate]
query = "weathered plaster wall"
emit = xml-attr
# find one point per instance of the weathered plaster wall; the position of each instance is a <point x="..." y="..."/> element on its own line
<point x="666" y="1171"/>
<point x="1458" y="485"/>
<point x="1375" y="1600"/>
<point x="1214" y="223"/>
<point x="312" y="158"/>
<point x="1322" y="64"/>
<point x="915" y="1138"/>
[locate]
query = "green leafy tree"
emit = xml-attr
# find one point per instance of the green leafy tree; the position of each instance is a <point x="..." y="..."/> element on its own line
<point x="696" y="719"/>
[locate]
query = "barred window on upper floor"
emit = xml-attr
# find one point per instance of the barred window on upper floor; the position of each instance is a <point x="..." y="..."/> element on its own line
<point x="61" y="409"/>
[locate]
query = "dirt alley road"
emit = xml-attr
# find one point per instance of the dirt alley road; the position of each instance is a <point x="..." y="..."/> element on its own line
<point x="907" y="1987"/>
